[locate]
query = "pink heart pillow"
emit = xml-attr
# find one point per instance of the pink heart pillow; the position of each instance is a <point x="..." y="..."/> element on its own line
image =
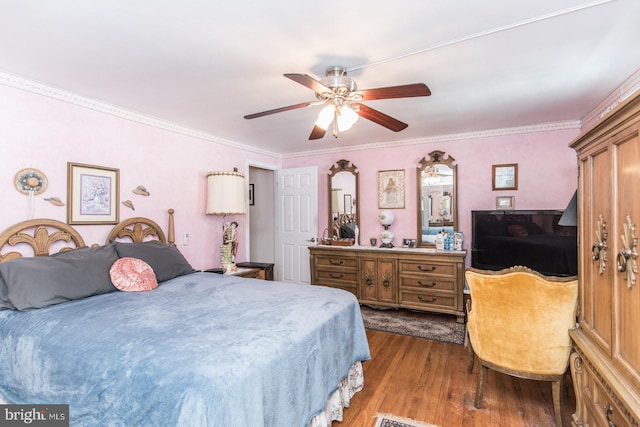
<point x="133" y="274"/>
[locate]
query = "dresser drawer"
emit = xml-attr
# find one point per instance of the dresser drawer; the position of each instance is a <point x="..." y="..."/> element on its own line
<point x="428" y="282"/>
<point x="601" y="407"/>
<point x="422" y="267"/>
<point x="332" y="276"/>
<point x="427" y="300"/>
<point x="417" y="279"/>
<point x="336" y="261"/>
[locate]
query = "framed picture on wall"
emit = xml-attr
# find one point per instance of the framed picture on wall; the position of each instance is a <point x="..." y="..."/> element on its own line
<point x="505" y="177"/>
<point x="391" y="189"/>
<point x="92" y="194"/>
<point x="506" y="202"/>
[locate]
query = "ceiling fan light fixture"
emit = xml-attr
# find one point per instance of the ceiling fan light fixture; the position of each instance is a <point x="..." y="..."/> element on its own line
<point x="431" y="176"/>
<point x="325" y="117"/>
<point x="346" y="118"/>
<point x="336" y="79"/>
<point x="341" y="99"/>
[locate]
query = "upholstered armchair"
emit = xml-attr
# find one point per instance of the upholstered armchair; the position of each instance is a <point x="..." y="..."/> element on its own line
<point x="518" y="324"/>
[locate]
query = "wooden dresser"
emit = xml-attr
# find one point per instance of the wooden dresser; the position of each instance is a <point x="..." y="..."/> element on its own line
<point x="416" y="278"/>
<point x="606" y="363"/>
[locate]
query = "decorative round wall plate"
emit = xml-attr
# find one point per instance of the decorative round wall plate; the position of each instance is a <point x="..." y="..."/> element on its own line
<point x="31" y="181"/>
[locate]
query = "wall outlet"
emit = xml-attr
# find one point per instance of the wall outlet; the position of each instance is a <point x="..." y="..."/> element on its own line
<point x="185" y="239"/>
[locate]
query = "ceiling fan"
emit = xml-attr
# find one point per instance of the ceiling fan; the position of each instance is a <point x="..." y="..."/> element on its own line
<point x="342" y="98"/>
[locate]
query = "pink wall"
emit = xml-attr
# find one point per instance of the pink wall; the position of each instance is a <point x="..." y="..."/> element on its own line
<point x="547" y="177"/>
<point x="45" y="133"/>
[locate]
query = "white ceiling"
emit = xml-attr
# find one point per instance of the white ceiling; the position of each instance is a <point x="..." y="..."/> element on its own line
<point x="204" y="64"/>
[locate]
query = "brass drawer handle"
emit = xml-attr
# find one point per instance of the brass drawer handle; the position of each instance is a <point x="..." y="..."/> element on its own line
<point x="336" y="262"/>
<point x="432" y="268"/>
<point x="627" y="257"/>
<point x="386" y="279"/>
<point x="599" y="248"/>
<point x="336" y="276"/>
<point x="421" y="298"/>
<point x="369" y="278"/>
<point x="427" y="285"/>
<point x="608" y="410"/>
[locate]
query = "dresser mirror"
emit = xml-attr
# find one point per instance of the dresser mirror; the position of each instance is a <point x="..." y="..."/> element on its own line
<point x="343" y="200"/>
<point x="437" y="197"/>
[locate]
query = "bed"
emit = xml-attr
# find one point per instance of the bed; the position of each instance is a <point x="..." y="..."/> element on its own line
<point x="200" y="349"/>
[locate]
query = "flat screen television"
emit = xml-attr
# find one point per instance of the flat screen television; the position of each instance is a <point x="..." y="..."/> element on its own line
<point x="530" y="238"/>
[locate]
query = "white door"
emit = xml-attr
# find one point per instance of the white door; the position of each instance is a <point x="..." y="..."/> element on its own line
<point x="296" y="222"/>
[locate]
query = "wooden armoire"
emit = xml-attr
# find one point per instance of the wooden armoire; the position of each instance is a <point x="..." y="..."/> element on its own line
<point x="605" y="365"/>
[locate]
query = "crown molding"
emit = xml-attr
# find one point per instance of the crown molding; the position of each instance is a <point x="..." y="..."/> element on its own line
<point x="43" y="89"/>
<point x="626" y="89"/>
<point x="622" y="92"/>
<point x="465" y="136"/>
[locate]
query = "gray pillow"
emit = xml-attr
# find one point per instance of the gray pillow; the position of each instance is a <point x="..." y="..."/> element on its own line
<point x="42" y="281"/>
<point x="4" y="296"/>
<point x="166" y="260"/>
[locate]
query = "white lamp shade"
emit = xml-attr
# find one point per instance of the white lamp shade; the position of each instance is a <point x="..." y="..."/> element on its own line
<point x="337" y="200"/>
<point x="225" y="193"/>
<point x="386" y="217"/>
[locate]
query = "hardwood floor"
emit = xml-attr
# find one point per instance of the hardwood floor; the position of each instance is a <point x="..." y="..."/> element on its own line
<point x="428" y="381"/>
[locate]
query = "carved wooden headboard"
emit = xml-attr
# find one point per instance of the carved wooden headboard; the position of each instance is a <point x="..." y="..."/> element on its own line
<point x="44" y="235"/>
<point x="40" y="235"/>
<point x="138" y="229"/>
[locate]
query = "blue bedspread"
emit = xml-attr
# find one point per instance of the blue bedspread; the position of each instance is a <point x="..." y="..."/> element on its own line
<point x="200" y="350"/>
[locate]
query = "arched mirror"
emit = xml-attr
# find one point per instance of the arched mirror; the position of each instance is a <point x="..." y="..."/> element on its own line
<point x="344" y="209"/>
<point x="437" y="197"/>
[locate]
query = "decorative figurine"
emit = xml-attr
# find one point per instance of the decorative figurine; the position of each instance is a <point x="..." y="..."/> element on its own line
<point x="129" y="204"/>
<point x="141" y="190"/>
<point x="54" y="201"/>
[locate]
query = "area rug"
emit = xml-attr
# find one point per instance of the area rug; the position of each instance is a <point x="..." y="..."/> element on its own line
<point x="388" y="420"/>
<point x="414" y="325"/>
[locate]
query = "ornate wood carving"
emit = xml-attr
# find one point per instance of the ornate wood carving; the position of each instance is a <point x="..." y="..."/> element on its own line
<point x="40" y="235"/>
<point x="627" y="258"/>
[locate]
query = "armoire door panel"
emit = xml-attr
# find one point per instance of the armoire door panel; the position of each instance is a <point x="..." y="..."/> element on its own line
<point x="599" y="268"/>
<point x="627" y="301"/>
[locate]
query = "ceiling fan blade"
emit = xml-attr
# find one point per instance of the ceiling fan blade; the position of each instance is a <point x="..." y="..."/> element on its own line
<point x="379" y="118"/>
<point x="317" y="133"/>
<point x="309" y="82"/>
<point x="404" y="91"/>
<point x="281" y="109"/>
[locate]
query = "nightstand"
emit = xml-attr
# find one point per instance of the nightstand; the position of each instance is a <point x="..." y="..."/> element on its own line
<point x="265" y="269"/>
<point x="253" y="273"/>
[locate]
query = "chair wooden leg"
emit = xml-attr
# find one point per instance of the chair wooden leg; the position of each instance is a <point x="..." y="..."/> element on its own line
<point x="472" y="359"/>
<point x="556" y="390"/>
<point x="482" y="378"/>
